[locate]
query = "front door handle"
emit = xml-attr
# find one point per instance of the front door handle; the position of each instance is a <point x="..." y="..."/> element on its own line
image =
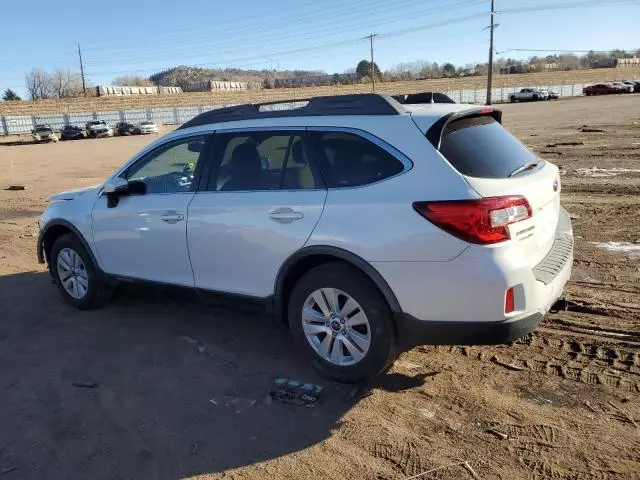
<point x="171" y="216"/>
<point x="286" y="215"/>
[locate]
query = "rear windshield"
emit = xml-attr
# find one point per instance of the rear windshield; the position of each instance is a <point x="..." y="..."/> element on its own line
<point x="480" y="147"/>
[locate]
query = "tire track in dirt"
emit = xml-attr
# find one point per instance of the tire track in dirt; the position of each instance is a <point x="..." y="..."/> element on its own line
<point x="591" y="363"/>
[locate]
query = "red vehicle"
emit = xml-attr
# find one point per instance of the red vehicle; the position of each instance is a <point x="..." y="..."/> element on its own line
<point x="600" y="89"/>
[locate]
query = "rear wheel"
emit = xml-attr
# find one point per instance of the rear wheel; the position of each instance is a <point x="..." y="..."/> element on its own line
<point x="341" y="322"/>
<point x="513" y="99"/>
<point x="76" y="277"/>
<point x="535" y="98"/>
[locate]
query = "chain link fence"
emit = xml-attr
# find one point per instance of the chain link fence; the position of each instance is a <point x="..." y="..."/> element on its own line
<point x="24" y="124"/>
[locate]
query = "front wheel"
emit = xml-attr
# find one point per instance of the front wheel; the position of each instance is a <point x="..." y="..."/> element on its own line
<point x="75" y="275"/>
<point x="341" y="322"/>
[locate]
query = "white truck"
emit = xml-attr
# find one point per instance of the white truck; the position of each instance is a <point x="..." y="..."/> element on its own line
<point x="529" y="95"/>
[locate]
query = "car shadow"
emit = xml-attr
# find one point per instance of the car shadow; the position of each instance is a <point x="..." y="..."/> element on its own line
<point x="158" y="384"/>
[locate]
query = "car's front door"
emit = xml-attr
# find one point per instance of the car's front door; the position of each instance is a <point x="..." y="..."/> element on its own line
<point x="144" y="236"/>
<point x="263" y="200"/>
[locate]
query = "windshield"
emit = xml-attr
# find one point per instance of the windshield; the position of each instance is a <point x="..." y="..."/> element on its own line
<point x="97" y="122"/>
<point x="479" y="146"/>
<point x="43" y="129"/>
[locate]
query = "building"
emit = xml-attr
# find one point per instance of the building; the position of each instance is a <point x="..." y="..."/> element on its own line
<point x="221" y="86"/>
<point x="628" y="62"/>
<point x="316" y="80"/>
<point x="119" y="91"/>
<point x="511" y="69"/>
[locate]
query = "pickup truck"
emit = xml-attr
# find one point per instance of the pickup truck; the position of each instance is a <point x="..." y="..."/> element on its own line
<point x="528" y="94"/>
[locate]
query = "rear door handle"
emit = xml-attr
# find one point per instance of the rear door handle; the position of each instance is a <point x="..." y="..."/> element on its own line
<point x="171" y="216"/>
<point x="286" y="215"/>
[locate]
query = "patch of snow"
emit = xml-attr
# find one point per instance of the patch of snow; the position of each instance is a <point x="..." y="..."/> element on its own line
<point x="631" y="249"/>
<point x="604" y="172"/>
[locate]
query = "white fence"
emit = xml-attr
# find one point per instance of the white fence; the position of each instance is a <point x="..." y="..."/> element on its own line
<point x="15" y="125"/>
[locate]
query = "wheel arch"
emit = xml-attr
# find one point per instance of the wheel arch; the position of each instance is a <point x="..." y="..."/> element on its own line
<point x="309" y="257"/>
<point x="53" y="230"/>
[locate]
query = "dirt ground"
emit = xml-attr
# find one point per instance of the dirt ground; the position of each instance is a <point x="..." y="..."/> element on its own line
<point x="181" y="386"/>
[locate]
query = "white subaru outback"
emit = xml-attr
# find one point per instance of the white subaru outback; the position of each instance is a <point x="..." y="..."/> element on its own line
<point x="368" y="226"/>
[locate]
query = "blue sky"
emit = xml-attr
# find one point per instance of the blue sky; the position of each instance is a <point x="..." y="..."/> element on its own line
<point x="141" y="37"/>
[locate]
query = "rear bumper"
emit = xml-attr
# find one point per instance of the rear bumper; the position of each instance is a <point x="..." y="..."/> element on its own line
<point x="413" y="331"/>
<point x="462" y="301"/>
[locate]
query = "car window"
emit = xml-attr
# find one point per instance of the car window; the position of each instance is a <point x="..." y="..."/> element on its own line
<point x="261" y="161"/>
<point x="169" y="168"/>
<point x="349" y="160"/>
<point x="480" y="147"/>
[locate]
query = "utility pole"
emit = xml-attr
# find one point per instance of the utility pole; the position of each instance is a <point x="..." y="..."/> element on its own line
<point x="373" y="70"/>
<point x="490" y="69"/>
<point x="84" y="87"/>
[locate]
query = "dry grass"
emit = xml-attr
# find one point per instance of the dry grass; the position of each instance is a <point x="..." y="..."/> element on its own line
<point x="206" y="98"/>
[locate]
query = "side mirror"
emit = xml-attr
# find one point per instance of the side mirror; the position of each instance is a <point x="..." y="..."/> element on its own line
<point x="115" y="185"/>
<point x="118" y="187"/>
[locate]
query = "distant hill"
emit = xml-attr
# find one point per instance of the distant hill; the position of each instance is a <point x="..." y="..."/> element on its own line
<point x="183" y="75"/>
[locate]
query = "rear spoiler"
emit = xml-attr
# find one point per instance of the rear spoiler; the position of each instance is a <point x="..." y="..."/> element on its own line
<point x="434" y="134"/>
<point x="422" y="98"/>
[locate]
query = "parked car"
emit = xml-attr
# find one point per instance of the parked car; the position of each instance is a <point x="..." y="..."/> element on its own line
<point x="125" y="128"/>
<point x="600" y="89"/>
<point x="528" y="94"/>
<point x="99" y="128"/>
<point x="422" y="98"/>
<point x="367" y="225"/>
<point x="635" y="84"/>
<point x="71" y="132"/>
<point x="623" y="87"/>
<point x="43" y="133"/>
<point x="148" y="127"/>
<point x="550" y="94"/>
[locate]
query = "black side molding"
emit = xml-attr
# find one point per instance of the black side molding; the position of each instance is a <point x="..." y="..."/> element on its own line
<point x="70" y="226"/>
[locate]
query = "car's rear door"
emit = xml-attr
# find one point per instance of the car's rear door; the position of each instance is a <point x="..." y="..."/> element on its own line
<point x="145" y="236"/>
<point x="263" y="198"/>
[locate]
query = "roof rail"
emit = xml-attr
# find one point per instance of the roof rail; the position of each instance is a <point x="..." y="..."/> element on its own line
<point x="358" y="104"/>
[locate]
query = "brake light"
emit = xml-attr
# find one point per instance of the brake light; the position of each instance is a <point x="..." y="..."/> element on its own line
<point x="483" y="221"/>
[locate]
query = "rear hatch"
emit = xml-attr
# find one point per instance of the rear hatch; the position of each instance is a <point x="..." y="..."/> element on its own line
<point x="495" y="164"/>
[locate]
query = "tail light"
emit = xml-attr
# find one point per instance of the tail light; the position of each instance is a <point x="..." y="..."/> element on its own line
<point x="483" y="221"/>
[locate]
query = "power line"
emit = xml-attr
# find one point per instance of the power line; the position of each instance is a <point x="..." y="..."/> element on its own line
<point x="319" y="30"/>
<point x="570" y="5"/>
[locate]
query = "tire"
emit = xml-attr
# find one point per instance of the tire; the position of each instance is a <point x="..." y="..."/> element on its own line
<point x="96" y="293"/>
<point x="535" y="98"/>
<point x="347" y="282"/>
<point x="513" y="99"/>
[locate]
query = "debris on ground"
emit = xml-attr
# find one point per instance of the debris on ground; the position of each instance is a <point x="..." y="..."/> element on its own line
<point x="587" y="129"/>
<point x="464" y="465"/>
<point x="510" y="366"/>
<point x="236" y="404"/>
<point x="298" y="393"/>
<point x="550" y="152"/>
<point x="85" y="384"/>
<point x="15" y="187"/>
<point x="624" y="413"/>
<point x="498" y="433"/>
<point x="564" y="144"/>
<point x="427" y="413"/>
<point x="8" y="469"/>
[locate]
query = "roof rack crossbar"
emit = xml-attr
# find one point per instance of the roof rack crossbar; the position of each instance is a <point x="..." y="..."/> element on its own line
<point x="358" y="104"/>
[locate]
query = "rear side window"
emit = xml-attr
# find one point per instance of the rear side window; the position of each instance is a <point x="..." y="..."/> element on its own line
<point x="349" y="160"/>
<point x="480" y="147"/>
